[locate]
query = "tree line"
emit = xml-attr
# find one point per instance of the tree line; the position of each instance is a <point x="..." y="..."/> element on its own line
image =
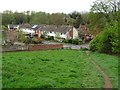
<point x="32" y="17"/>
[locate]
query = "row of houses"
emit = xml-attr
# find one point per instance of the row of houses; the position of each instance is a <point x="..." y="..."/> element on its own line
<point x="57" y="32"/>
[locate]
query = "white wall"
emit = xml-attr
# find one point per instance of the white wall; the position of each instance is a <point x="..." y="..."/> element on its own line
<point x="51" y="34"/>
<point x="27" y="31"/>
<point x="63" y="36"/>
<point x="75" y="33"/>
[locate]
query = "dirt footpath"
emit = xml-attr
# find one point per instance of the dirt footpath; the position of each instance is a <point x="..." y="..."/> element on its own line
<point x="107" y="83"/>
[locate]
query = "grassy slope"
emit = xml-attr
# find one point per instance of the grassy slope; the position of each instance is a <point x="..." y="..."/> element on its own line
<point x="109" y="64"/>
<point x="53" y="68"/>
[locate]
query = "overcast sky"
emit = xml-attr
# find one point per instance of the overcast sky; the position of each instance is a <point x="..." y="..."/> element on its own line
<point x="49" y="6"/>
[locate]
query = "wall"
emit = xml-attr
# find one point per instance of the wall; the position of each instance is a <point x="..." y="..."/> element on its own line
<point x="75" y="33"/>
<point x="45" y="47"/>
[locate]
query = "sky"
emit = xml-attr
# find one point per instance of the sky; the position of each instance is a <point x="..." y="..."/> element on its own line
<point x="48" y="6"/>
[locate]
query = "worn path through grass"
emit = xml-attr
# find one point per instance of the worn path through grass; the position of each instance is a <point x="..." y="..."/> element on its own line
<point x="54" y="69"/>
<point x="107" y="81"/>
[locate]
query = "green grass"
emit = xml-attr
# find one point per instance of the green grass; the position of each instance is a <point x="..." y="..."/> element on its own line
<point x="55" y="69"/>
<point x="110" y="66"/>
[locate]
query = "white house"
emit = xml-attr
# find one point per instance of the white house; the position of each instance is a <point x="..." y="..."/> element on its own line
<point x="28" y="31"/>
<point x="13" y="27"/>
<point x="58" y="32"/>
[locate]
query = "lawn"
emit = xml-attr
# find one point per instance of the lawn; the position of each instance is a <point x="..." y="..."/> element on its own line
<point x="56" y="69"/>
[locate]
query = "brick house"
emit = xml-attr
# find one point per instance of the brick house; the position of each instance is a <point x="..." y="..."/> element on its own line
<point x="84" y="32"/>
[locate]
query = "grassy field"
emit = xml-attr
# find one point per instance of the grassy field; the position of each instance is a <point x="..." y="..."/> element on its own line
<point x="57" y="69"/>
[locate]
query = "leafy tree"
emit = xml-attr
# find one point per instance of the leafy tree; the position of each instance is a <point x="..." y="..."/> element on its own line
<point x="102" y="12"/>
<point x="108" y="7"/>
<point x="20" y="18"/>
<point x="7" y="17"/>
<point x="105" y="15"/>
<point x="107" y="41"/>
<point x="39" y="18"/>
<point x="78" y="21"/>
<point x="70" y="21"/>
<point x="74" y="14"/>
<point x="57" y="19"/>
<point x="28" y="15"/>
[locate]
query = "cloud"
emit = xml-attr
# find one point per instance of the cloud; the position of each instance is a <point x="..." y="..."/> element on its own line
<point x="50" y="6"/>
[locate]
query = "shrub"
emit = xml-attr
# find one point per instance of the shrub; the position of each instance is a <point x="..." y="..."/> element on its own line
<point x="65" y="41"/>
<point x="36" y="40"/>
<point x="75" y="41"/>
<point x="21" y="37"/>
<point x="70" y="41"/>
<point x="4" y="27"/>
<point x="42" y="36"/>
<point x="107" y="41"/>
<point x="50" y="38"/>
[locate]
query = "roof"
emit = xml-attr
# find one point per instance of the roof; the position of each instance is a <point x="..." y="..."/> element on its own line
<point x="13" y="26"/>
<point x="54" y="28"/>
<point x="83" y="29"/>
<point x="26" y="26"/>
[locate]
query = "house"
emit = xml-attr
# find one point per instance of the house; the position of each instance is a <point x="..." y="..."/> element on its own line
<point x="13" y="27"/>
<point x="27" y="29"/>
<point x="84" y="32"/>
<point x="57" y="32"/>
<point x="38" y="29"/>
<point x="25" y="26"/>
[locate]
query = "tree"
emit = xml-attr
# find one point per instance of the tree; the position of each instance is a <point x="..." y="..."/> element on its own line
<point x="108" y="7"/>
<point x="57" y="19"/>
<point x="78" y="21"/>
<point x="20" y="18"/>
<point x="39" y="18"/>
<point x="7" y="17"/>
<point x="107" y="41"/>
<point x="74" y="14"/>
<point x="102" y="12"/>
<point x="106" y="14"/>
<point x="28" y="15"/>
<point x="70" y="21"/>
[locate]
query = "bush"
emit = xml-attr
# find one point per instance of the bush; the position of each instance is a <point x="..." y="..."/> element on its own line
<point x="36" y="40"/>
<point x="65" y="41"/>
<point x="107" y="41"/>
<point x="70" y="41"/>
<point x="4" y="27"/>
<point x="21" y="37"/>
<point x="42" y="36"/>
<point x="50" y="38"/>
<point x="75" y="41"/>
